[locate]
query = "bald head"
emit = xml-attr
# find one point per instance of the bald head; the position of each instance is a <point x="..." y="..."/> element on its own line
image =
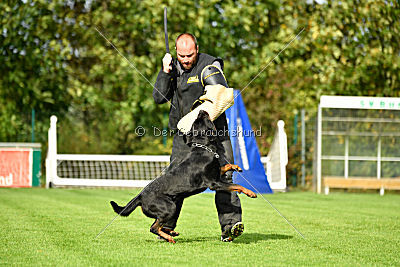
<point x="187" y="38"/>
<point x="186" y="50"/>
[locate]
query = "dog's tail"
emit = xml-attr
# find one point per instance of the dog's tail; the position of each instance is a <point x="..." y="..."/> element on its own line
<point x="128" y="209"/>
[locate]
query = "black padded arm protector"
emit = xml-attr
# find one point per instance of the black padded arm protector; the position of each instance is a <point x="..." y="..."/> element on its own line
<point x="212" y="75"/>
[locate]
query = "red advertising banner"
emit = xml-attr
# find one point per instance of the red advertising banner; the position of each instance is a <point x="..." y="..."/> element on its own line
<point x="15" y="167"/>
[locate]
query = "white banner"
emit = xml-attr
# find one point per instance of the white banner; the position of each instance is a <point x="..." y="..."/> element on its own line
<point x="360" y="102"/>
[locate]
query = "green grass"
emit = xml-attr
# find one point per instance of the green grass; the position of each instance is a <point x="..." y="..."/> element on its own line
<point x="58" y="226"/>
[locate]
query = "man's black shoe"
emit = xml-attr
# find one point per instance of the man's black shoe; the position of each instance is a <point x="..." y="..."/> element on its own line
<point x="235" y="231"/>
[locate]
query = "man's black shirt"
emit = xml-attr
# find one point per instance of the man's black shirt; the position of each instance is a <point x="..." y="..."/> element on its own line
<point x="183" y="88"/>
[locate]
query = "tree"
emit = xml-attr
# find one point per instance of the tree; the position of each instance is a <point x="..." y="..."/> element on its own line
<point x="55" y="61"/>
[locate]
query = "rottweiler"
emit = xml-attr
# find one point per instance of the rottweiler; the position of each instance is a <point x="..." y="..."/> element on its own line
<point x="197" y="172"/>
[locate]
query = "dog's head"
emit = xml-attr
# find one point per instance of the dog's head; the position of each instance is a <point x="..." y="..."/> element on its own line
<point x="203" y="130"/>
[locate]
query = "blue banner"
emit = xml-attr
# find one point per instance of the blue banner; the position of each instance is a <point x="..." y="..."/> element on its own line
<point x="245" y="149"/>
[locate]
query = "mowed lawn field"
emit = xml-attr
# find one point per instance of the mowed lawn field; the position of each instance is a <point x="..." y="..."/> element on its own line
<point x="58" y="227"/>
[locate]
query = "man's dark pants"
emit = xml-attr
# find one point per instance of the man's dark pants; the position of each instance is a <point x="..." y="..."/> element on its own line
<point x="227" y="203"/>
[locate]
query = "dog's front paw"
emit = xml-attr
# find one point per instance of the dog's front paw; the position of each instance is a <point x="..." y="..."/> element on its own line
<point x="250" y="193"/>
<point x="236" y="168"/>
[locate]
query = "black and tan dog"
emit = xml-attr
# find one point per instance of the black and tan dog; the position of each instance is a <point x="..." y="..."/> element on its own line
<point x="197" y="172"/>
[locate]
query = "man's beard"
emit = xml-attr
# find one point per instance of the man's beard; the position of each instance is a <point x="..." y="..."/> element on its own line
<point x="188" y="67"/>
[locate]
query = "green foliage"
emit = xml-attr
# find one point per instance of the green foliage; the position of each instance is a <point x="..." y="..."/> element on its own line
<point x="54" y="60"/>
<point x="33" y="66"/>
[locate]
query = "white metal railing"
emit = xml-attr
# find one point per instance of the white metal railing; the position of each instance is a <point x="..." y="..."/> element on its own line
<point x="99" y="170"/>
<point x="95" y="170"/>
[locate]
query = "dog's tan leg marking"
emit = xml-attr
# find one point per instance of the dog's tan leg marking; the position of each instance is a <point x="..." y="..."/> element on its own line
<point x="156" y="229"/>
<point x="166" y="236"/>
<point x="230" y="167"/>
<point x="170" y="232"/>
<point x="241" y="189"/>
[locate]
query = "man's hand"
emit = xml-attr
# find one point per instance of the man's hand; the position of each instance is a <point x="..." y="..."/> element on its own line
<point x="167" y="63"/>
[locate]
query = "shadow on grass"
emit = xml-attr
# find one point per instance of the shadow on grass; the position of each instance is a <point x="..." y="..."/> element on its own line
<point x="246" y="238"/>
<point x="186" y="239"/>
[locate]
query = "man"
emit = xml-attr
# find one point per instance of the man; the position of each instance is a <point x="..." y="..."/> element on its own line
<point x="181" y="82"/>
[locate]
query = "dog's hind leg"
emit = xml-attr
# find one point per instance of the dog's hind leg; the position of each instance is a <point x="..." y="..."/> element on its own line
<point x="162" y="209"/>
<point x="169" y="231"/>
<point x="156" y="229"/>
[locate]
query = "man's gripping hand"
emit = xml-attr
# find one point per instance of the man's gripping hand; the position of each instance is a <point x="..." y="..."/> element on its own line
<point x="167" y="63"/>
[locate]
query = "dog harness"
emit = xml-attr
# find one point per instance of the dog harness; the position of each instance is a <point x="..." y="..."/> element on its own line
<point x="206" y="148"/>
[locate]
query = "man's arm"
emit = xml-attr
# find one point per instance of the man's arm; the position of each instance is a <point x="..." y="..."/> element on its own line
<point x="213" y="74"/>
<point x="219" y="63"/>
<point x="163" y="91"/>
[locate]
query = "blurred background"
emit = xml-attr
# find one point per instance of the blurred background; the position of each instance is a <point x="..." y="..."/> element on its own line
<point x="53" y="62"/>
